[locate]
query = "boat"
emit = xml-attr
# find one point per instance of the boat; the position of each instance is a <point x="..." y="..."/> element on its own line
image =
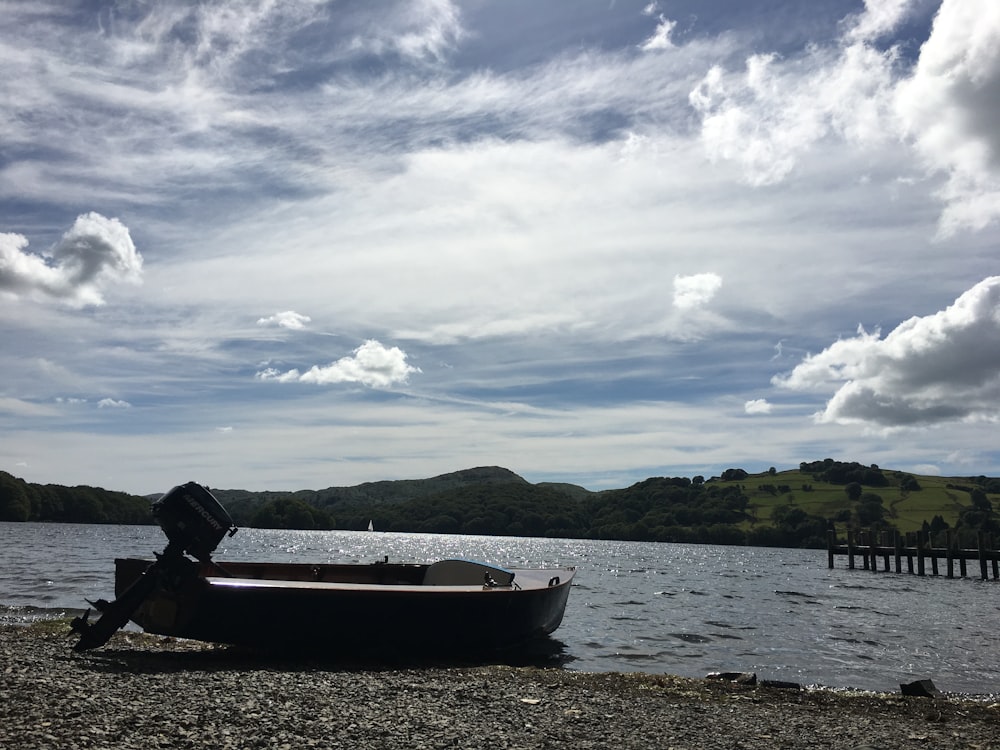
<point x="446" y="606"/>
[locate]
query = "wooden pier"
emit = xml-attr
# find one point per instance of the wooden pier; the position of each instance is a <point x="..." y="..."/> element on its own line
<point x="917" y="548"/>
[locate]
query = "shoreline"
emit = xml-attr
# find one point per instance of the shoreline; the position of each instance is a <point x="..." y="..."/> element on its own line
<point x="148" y="691"/>
<point x="540" y="657"/>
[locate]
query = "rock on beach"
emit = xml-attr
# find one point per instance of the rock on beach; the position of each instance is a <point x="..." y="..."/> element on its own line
<point x="144" y="691"/>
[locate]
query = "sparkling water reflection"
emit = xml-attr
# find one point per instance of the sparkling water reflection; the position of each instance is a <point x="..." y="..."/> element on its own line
<point x="681" y="609"/>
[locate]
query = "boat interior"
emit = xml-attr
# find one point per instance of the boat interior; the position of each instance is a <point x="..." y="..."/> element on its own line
<point x="441" y="573"/>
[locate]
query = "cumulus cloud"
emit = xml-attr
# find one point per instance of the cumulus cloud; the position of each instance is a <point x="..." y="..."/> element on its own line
<point x="880" y="17"/>
<point x="95" y="253"/>
<point x="769" y="115"/>
<point x="696" y="290"/>
<point x="660" y="39"/>
<point x="939" y="368"/>
<point x="288" y="319"/>
<point x="272" y="373"/>
<point x="757" y="406"/>
<point x="766" y="117"/>
<point x="371" y="364"/>
<point x="949" y="107"/>
<point x="110" y="403"/>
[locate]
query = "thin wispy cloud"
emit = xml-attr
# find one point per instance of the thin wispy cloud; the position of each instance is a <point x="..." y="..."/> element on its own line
<point x="579" y="231"/>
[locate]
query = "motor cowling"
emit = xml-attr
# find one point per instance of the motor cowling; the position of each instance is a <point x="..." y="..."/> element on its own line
<point x="193" y="520"/>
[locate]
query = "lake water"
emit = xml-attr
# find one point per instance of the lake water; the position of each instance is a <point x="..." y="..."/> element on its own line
<point x="645" y="607"/>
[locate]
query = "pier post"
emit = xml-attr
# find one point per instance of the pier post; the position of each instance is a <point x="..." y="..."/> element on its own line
<point x="993" y="558"/>
<point x="933" y="553"/>
<point x="920" y="554"/>
<point x="831" y="542"/>
<point x="981" y="543"/>
<point x="850" y="549"/>
<point x="898" y="546"/>
<point x="950" y="543"/>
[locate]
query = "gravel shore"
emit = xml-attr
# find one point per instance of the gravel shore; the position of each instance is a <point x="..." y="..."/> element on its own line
<point x="142" y="691"/>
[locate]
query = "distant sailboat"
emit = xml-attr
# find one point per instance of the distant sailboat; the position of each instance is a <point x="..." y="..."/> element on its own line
<point x="371" y="526"/>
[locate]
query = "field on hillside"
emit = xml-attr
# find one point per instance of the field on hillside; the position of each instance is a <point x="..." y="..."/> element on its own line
<point x="906" y="510"/>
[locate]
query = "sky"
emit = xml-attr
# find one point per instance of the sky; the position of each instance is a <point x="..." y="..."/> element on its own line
<point x="292" y="245"/>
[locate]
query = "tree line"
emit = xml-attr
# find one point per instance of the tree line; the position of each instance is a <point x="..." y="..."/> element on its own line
<point x="495" y="501"/>
<point x="23" y="501"/>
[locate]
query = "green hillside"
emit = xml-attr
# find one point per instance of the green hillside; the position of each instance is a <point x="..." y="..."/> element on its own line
<point x="907" y="500"/>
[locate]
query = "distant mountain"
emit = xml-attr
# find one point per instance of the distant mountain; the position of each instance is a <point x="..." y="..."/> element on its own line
<point x="373" y="494"/>
<point x="401" y="490"/>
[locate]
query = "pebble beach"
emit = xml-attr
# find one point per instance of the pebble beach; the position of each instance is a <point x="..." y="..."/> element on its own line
<point x="143" y="691"/>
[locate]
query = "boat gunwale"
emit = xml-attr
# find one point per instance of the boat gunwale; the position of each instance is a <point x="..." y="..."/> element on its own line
<point x="525" y="579"/>
<point x="522" y="582"/>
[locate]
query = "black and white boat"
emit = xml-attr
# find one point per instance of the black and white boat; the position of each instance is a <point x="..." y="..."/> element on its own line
<point x="448" y="606"/>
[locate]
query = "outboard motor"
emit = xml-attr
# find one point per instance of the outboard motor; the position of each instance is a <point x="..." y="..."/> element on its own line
<point x="194" y="522"/>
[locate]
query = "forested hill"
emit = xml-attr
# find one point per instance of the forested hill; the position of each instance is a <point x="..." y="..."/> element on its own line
<point x="23" y="501"/>
<point x="787" y="508"/>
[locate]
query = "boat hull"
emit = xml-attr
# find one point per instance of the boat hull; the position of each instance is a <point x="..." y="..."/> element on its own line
<point x="349" y="608"/>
